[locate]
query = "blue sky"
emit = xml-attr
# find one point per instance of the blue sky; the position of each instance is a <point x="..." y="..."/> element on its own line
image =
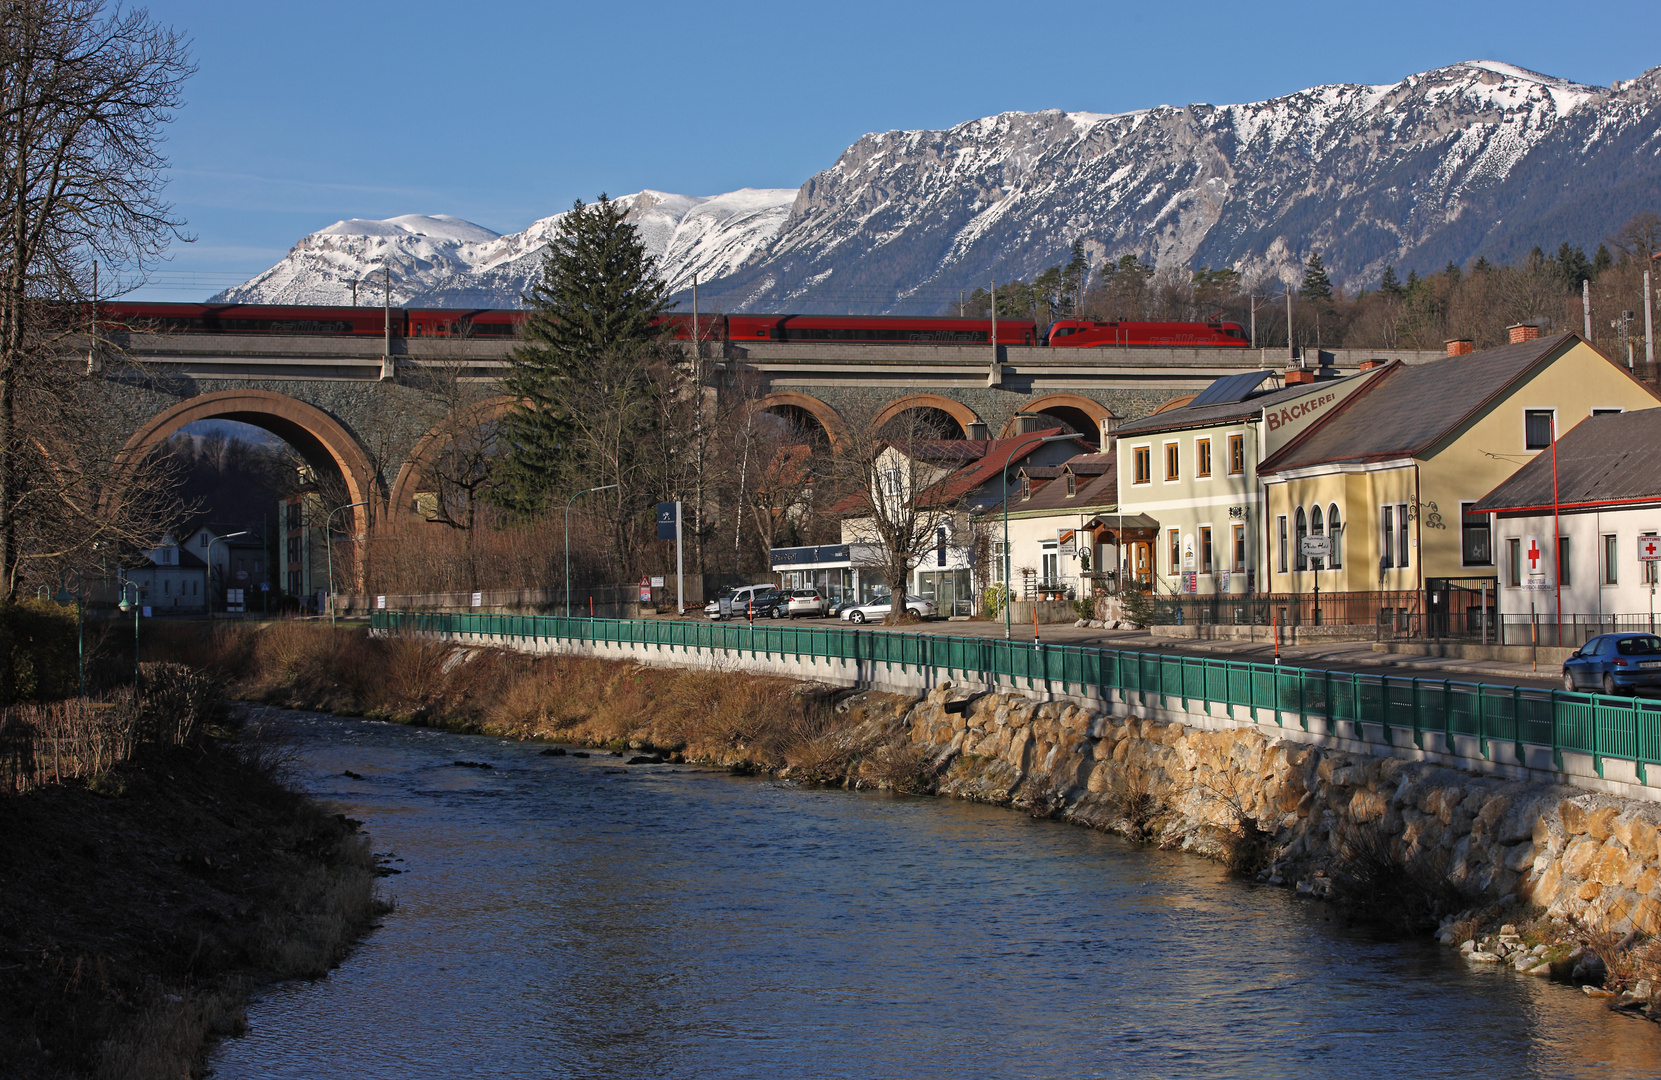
<point x="303" y="113"/>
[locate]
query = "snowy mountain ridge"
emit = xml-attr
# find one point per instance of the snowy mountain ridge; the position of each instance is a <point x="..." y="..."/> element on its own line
<point x="1480" y="157"/>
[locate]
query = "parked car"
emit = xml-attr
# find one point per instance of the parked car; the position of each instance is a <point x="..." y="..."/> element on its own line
<point x="878" y="609"/>
<point x="1611" y="663"/>
<point x="807" y="602"/>
<point x="749" y="601"/>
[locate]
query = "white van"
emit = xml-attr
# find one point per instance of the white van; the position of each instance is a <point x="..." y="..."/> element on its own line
<point x="759" y="601"/>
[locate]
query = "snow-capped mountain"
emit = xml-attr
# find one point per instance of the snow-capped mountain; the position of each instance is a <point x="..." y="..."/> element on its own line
<point x="1476" y="158"/>
<point x="442" y="261"/>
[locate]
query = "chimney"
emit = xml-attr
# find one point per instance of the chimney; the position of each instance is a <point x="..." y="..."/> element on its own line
<point x="1375" y="362"/>
<point x="1522" y="332"/>
<point x="1461" y="346"/>
<point x="1297" y="375"/>
<point x="975" y="430"/>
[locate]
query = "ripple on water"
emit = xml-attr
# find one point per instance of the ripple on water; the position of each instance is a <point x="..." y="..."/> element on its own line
<point x="557" y="921"/>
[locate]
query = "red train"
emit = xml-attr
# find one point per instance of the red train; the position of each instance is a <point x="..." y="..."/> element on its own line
<point x="738" y="329"/>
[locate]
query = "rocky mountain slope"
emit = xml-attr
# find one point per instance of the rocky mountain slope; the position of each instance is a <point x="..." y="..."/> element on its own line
<point x="1476" y="158"/>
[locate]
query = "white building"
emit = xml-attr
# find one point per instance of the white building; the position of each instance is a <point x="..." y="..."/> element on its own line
<point x="171" y="580"/>
<point x="1592" y="573"/>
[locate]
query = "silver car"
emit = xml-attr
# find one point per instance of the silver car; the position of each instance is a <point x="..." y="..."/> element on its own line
<point x="807" y="602"/>
<point x="879" y="609"/>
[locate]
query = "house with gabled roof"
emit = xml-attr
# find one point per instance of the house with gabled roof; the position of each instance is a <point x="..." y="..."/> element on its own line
<point x="1577" y="533"/>
<point x="1190" y="472"/>
<point x="1387" y="484"/>
<point x="1063" y="521"/>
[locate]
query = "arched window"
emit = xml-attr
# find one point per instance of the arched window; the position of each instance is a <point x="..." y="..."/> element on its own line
<point x="1300" y="529"/>
<point x="1316" y="528"/>
<point x="1335" y="529"/>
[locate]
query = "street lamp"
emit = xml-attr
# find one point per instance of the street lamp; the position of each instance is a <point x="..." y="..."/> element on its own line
<point x="133" y="607"/>
<point x="212" y="541"/>
<point x="63" y="598"/>
<point x="568" y="502"/>
<point x="329" y="550"/>
<point x="1008" y="590"/>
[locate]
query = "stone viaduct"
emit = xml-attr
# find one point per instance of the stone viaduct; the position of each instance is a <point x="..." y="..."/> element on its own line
<point x="369" y="418"/>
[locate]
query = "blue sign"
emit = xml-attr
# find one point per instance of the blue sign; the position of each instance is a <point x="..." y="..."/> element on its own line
<point x="803" y="556"/>
<point x="666" y="521"/>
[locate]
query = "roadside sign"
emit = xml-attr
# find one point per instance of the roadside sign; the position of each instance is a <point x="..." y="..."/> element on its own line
<point x="380" y="603"/>
<point x="657" y="582"/>
<point x="1315" y="547"/>
<point x="265" y="586"/>
<point x="666" y="521"/>
<point x="478" y="599"/>
<point x="645" y="590"/>
<point x="1649" y="549"/>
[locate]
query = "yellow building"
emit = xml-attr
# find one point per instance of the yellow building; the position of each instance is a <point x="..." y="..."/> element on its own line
<point x="1388" y="480"/>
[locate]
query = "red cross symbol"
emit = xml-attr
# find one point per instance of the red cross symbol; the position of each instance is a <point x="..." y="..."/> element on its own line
<point x="1650" y="549"/>
<point x="1533" y="555"/>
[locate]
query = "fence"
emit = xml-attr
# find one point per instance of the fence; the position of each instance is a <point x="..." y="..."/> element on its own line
<point x="1545" y="630"/>
<point x="1602" y="727"/>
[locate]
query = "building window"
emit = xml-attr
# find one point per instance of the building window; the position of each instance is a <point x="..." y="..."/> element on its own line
<point x="1172" y="469"/>
<point x="1205" y="549"/>
<point x="1072" y="485"/>
<point x="1300" y="529"/>
<point x="1000" y="561"/>
<point x="1236" y="454"/>
<point x="1239" y="549"/>
<point x="1476" y="544"/>
<point x="1176" y="552"/>
<point x="1202" y="457"/>
<point x="1607" y="412"/>
<point x="1563" y="562"/>
<point x="1317" y="527"/>
<point x="1402" y="542"/>
<point x="1280" y="544"/>
<point x="203" y="539"/>
<point x="1143" y="456"/>
<point x="1050" y="556"/>
<point x="1335" y="529"/>
<point x="1538" y="423"/>
<point x="1514" y="561"/>
<point x="1610" y="557"/>
<point x="1387" y="522"/>
<point x="1026" y="488"/>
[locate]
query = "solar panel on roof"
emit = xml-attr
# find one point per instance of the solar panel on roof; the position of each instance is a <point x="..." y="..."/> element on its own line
<point x="1230" y="388"/>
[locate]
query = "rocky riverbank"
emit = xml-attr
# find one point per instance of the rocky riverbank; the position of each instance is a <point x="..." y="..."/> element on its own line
<point x="143" y="903"/>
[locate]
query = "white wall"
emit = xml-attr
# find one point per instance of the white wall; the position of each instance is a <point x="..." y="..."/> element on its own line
<point x="1587" y="592"/>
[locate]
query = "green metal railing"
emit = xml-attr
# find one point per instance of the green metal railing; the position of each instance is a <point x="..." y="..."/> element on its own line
<point x="1594" y="724"/>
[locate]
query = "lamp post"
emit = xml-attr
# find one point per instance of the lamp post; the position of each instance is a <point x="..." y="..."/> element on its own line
<point x="212" y="541"/>
<point x="133" y="607"/>
<point x="63" y="598"/>
<point x="568" y="502"/>
<point x="329" y="552"/>
<point x="1005" y="476"/>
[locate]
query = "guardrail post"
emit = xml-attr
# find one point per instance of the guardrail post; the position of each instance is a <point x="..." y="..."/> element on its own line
<point x="1638" y="742"/>
<point x="1447" y="716"/>
<point x="1517" y="726"/>
<point x="1326" y="690"/>
<point x="1383" y="712"/>
<point x="1556" y="743"/>
<point x="1597" y="758"/>
<point x="1482" y="724"/>
<point x="1418" y="721"/>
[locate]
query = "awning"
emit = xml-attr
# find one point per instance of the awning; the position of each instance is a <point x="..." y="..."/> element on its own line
<point x="1129" y="523"/>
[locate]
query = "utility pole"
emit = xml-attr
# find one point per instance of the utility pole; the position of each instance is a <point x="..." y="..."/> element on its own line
<point x="93" y="366"/>
<point x="995" y="375"/>
<point x="1649" y="323"/>
<point x="1586" y="305"/>
<point x="698" y="443"/>
<point x="387" y="370"/>
<point x="1291" y="349"/>
<point x="1254" y="317"/>
<point x="354" y="292"/>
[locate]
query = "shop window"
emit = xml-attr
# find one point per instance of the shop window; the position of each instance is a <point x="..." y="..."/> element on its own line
<point x="1175" y="537"/>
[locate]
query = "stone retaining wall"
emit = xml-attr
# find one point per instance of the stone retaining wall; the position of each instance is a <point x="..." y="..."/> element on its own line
<point x="1591" y="858"/>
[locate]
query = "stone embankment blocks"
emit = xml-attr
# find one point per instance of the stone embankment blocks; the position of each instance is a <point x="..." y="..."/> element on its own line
<point x="1591" y="858"/>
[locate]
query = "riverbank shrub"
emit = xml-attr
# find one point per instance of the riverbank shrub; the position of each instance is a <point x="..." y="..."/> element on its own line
<point x="1374" y="886"/>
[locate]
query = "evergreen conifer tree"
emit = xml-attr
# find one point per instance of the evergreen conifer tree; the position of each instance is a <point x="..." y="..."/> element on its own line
<point x="1391" y="285"/>
<point x="1316" y="285"/>
<point x="1602" y="260"/>
<point x="597" y="299"/>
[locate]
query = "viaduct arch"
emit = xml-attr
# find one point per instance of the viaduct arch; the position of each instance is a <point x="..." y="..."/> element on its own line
<point x="828" y="418"/>
<point x="1083" y="414"/>
<point x="962" y="414"/>
<point x="317" y="436"/>
<point x="401" y="504"/>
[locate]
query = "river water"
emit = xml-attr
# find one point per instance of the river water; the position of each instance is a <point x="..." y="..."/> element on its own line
<point x="567" y="917"/>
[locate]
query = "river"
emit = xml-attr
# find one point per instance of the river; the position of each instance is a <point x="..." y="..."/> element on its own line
<point x="570" y="917"/>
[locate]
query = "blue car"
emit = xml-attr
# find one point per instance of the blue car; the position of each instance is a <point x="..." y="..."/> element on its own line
<point x="1612" y="663"/>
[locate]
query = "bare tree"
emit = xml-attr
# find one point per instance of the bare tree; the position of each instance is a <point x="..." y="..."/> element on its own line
<point x="898" y="497"/>
<point x="84" y="98"/>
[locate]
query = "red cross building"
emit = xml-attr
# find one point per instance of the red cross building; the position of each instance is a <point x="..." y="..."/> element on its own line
<point x="1533" y="553"/>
